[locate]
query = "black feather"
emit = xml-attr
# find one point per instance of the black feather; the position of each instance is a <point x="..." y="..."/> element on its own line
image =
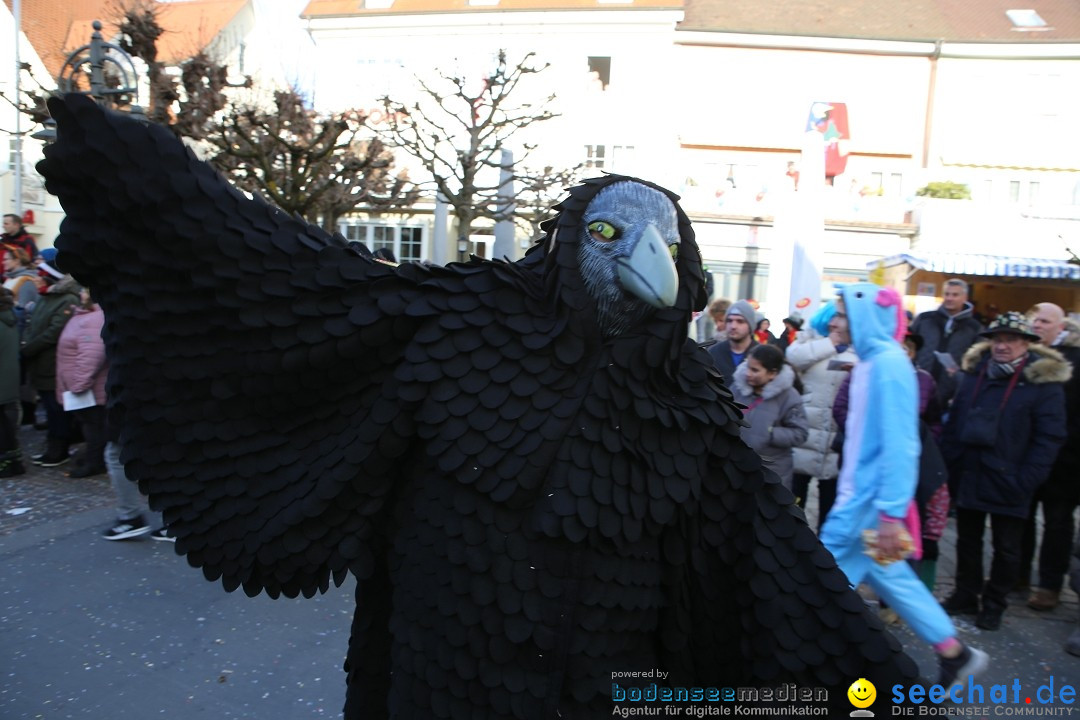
<point x="526" y="505"/>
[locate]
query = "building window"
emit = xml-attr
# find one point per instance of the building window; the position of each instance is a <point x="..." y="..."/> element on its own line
<point x="622" y="157"/>
<point x="405" y="241"/>
<point x="1014" y="191"/>
<point x="987" y="190"/>
<point x="353" y="233"/>
<point x="1033" y="193"/>
<point x="1026" y="20"/>
<point x="383" y="237"/>
<point x="412" y="244"/>
<point x="613" y="158"/>
<point x="895" y="187"/>
<point x="594" y="157"/>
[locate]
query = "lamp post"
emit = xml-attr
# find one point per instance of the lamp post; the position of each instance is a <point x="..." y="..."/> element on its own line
<point x="99" y="60"/>
<point x="17" y="11"/>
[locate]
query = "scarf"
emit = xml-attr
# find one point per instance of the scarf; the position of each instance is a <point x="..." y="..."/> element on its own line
<point x="999" y="370"/>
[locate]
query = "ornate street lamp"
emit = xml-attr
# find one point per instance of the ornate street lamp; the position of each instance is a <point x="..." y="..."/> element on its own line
<point x="99" y="54"/>
<point x="100" y="61"/>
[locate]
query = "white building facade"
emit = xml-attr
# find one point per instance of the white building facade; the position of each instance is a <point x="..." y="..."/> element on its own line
<point x="712" y="103"/>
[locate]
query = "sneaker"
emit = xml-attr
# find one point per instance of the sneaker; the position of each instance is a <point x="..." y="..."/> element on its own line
<point x="162" y="534"/>
<point x="1072" y="645"/>
<point x="960" y="604"/>
<point x="989" y="618"/>
<point x="954" y="672"/>
<point x="1042" y="599"/>
<point x="125" y="529"/>
<point x="36" y="459"/>
<point x="52" y="460"/>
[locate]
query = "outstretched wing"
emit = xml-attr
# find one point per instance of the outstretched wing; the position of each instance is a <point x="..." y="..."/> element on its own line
<point x="764" y="600"/>
<point x="249" y="354"/>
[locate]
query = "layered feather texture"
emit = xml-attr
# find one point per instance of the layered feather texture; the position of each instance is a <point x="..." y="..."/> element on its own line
<point x="528" y="503"/>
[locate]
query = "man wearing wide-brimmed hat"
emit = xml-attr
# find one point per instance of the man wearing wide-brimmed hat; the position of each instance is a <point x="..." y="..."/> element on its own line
<point x="1004" y="431"/>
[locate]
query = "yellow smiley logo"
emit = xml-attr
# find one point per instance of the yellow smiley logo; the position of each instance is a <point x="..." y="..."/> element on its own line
<point x="862" y="693"/>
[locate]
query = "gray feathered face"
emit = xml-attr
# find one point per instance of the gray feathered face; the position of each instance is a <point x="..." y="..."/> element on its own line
<point x="627" y="252"/>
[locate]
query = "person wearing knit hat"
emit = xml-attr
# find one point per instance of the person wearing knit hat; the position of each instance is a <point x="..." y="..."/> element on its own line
<point x="48" y="271"/>
<point x="792" y="325"/>
<point x="745" y="310"/>
<point x="739" y="325"/>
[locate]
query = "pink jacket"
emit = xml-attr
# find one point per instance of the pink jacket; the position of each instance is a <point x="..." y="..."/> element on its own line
<point x="80" y="355"/>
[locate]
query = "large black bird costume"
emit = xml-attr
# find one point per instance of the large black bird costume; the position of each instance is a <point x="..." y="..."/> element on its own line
<point x="534" y="475"/>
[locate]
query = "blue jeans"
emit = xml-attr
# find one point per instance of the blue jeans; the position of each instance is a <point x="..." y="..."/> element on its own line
<point x="130" y="504"/>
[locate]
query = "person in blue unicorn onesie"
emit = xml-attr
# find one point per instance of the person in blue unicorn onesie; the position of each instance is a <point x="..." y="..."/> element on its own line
<point x="875" y="509"/>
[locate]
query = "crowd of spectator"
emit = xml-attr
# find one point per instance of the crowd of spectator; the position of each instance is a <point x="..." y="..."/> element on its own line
<point x="994" y="442"/>
<point x="52" y="360"/>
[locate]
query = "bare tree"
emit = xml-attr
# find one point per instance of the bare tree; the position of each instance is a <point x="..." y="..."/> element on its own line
<point x="188" y="104"/>
<point x="32" y="102"/>
<point x="319" y="167"/>
<point x="137" y="21"/>
<point x="457" y="133"/>
<point x="537" y="191"/>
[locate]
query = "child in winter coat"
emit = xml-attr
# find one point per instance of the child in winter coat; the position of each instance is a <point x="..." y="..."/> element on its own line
<point x="770" y="388"/>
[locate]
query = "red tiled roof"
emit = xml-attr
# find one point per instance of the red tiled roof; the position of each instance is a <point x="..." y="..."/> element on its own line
<point x="57" y="27"/>
<point x="192" y="25"/>
<point x="47" y="23"/>
<point x="951" y="20"/>
<point x="345" y="8"/>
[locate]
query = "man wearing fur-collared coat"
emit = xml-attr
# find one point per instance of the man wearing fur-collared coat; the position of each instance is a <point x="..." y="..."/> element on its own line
<point x="1004" y="431"/>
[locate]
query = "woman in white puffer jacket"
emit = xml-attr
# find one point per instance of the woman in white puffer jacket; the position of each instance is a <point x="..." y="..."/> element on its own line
<point x="823" y="356"/>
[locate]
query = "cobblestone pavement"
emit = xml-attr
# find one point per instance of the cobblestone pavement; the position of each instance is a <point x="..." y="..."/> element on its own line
<point x="45" y="494"/>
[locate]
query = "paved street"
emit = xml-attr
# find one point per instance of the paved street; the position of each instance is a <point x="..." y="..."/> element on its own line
<point x="96" y="629"/>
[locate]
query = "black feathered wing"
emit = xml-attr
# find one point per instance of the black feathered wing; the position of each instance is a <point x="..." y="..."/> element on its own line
<point x="762" y="601"/>
<point x="249" y="385"/>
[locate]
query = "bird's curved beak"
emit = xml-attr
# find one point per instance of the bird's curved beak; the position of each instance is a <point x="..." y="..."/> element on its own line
<point x="649" y="272"/>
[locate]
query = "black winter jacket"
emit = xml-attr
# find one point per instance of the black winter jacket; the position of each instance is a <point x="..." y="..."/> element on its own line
<point x="1001" y="477"/>
<point x="51" y="313"/>
<point x="1064" y="482"/>
<point x="721" y="355"/>
<point x="930" y="326"/>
